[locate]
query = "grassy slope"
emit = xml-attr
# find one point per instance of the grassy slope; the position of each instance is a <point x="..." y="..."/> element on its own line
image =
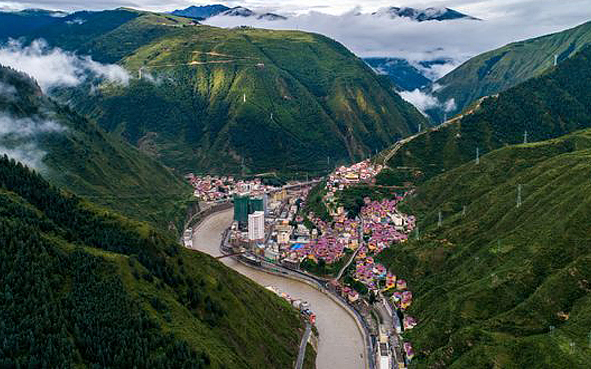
<point x="551" y="105"/>
<point x="83" y="287"/>
<point x="93" y="164"/>
<point x="325" y="101"/>
<point x="489" y="285"/>
<point x="500" y="69"/>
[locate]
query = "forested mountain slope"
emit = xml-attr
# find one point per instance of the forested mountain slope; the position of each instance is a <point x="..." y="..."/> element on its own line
<point x="85" y="288"/>
<point x="554" y="104"/>
<point x="17" y="23"/>
<point x="234" y="100"/>
<point x="503" y="285"/>
<point x="500" y="69"/>
<point x="74" y="153"/>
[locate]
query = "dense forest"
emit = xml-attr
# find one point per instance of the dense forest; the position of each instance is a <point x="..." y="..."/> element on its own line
<point x="84" y="286"/>
<point x="548" y="106"/>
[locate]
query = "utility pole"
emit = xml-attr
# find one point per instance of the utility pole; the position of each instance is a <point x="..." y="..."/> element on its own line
<point x="418" y="237"/>
<point x="244" y="98"/>
<point x="464" y="211"/>
<point x="419" y="128"/>
<point x="525" y="137"/>
<point x="440" y="221"/>
<point x="518" y="196"/>
<point x="477" y="155"/>
<point x="556" y="60"/>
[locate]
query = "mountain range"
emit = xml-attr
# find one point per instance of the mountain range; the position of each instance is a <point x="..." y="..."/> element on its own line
<point x="414" y="14"/>
<point x="208" y="11"/>
<point x="423" y="15"/>
<point x="232" y="100"/>
<point x="91" y="271"/>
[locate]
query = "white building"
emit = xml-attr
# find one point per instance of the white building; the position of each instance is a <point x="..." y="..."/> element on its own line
<point x="256" y="226"/>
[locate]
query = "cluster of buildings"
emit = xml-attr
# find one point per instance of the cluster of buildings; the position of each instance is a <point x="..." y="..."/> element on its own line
<point x="269" y="226"/>
<point x="361" y="172"/>
<point x="333" y="241"/>
<point x="302" y="306"/>
<point x="383" y="225"/>
<point x="402" y="298"/>
<point x="222" y="188"/>
<point x="408" y="350"/>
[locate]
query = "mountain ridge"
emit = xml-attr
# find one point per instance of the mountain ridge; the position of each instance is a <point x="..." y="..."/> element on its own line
<point x="313" y="102"/>
<point x="423" y="15"/>
<point x="497" y="70"/>
<point x="541" y="108"/>
<point x="74" y="153"/>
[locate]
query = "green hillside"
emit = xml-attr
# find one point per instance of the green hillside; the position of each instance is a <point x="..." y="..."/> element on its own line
<point x="497" y="70"/>
<point x="547" y="106"/>
<point x="310" y="103"/>
<point x="84" y="159"/>
<point x="503" y="286"/>
<point x="82" y="287"/>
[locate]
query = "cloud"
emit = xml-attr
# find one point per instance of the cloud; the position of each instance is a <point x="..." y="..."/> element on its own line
<point x="421" y="100"/>
<point x="28" y="154"/>
<point x="7" y="92"/>
<point x="26" y="127"/>
<point x="18" y="138"/>
<point x="54" y="67"/>
<point x="425" y="101"/>
<point x="505" y="21"/>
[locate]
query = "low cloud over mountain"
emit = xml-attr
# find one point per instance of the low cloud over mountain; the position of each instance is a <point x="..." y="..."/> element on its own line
<point x="53" y="67"/>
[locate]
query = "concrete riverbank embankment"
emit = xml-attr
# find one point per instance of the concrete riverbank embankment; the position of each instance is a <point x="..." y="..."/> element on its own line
<point x="342" y="340"/>
<point x="316" y="284"/>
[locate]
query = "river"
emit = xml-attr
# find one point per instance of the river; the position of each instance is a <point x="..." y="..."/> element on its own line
<point x="340" y="345"/>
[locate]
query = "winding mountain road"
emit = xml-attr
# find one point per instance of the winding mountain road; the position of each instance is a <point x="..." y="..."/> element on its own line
<point x="398" y="145"/>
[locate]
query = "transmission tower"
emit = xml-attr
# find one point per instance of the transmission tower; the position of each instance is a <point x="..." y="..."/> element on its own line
<point x="518" y="196"/>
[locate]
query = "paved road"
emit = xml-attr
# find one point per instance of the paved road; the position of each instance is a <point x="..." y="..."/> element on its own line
<point x="398" y="145"/>
<point x="303" y="344"/>
<point x="356" y="251"/>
